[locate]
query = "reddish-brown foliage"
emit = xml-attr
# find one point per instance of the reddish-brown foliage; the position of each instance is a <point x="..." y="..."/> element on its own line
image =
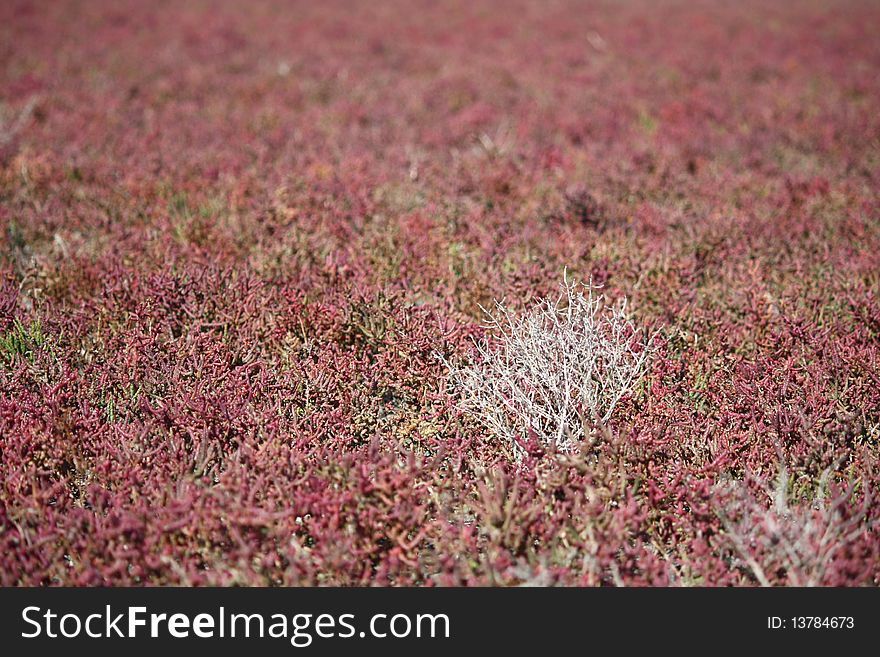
<point x="236" y="236"/>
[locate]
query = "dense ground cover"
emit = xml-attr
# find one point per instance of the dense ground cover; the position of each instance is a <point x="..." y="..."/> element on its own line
<point x="236" y="236"/>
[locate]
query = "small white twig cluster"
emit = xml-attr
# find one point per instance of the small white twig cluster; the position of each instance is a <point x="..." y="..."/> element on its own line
<point x="800" y="540"/>
<point x="553" y="372"/>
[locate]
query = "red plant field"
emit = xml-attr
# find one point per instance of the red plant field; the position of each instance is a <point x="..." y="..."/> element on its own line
<point x="244" y="252"/>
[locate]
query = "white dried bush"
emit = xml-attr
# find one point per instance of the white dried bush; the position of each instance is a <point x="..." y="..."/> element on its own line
<point x="553" y="372"/>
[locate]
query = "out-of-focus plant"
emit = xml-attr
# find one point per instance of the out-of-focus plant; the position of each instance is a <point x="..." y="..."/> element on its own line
<point x="789" y="541"/>
<point x="554" y="371"/>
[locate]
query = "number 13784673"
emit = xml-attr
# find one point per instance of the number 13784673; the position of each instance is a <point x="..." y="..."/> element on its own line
<point x="811" y="623"/>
